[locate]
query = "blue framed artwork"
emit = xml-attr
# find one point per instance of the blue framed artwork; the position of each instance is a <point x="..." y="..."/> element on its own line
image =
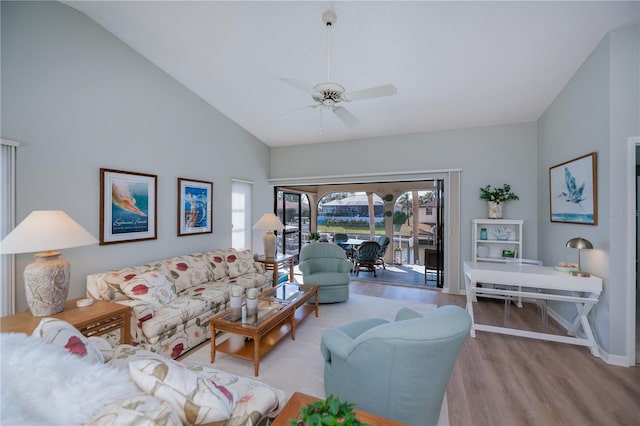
<point x="194" y="207"/>
<point x="573" y="191"/>
<point x="127" y="206"/>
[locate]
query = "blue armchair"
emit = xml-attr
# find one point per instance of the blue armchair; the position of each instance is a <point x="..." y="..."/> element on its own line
<point x="400" y="369"/>
<point x="326" y="265"/>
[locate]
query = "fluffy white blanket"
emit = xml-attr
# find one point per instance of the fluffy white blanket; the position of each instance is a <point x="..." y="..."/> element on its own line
<point x="45" y="384"/>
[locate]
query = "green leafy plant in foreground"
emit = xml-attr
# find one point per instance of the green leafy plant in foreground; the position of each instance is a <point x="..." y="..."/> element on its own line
<point x="327" y="413"/>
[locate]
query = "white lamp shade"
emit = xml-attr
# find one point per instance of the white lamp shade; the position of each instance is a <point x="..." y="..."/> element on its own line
<point x="269" y="222"/>
<point x="45" y="230"/>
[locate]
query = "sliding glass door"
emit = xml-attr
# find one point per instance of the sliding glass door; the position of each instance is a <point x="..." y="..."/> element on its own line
<point x="293" y="211"/>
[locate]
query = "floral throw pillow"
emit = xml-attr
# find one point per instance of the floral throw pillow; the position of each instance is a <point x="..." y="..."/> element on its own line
<point x="217" y="260"/>
<point x="189" y="271"/>
<point x="61" y="333"/>
<point x="240" y="262"/>
<point x="196" y="400"/>
<point x="150" y="287"/>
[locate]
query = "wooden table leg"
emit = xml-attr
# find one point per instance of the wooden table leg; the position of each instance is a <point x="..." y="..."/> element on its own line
<point x="316" y="303"/>
<point x="213" y="342"/>
<point x="256" y="355"/>
<point x="293" y="325"/>
<point x="291" y="270"/>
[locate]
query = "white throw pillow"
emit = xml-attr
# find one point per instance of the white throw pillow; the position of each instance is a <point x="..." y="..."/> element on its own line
<point x="195" y="399"/>
<point x="61" y="333"/>
<point x="150" y="287"/>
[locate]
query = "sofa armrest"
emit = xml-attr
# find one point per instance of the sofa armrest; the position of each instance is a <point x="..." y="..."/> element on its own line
<point x="345" y="266"/>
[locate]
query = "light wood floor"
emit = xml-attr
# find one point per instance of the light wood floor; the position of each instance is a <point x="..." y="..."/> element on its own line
<point x="501" y="380"/>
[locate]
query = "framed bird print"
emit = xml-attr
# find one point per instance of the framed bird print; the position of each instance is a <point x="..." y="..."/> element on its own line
<point x="127" y="206"/>
<point x="573" y="191"/>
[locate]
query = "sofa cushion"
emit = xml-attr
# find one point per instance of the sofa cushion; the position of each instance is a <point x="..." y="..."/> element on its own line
<point x="217" y="259"/>
<point x="188" y="271"/>
<point x="240" y="262"/>
<point x="135" y="411"/>
<point x="151" y="287"/>
<point x="63" y="334"/>
<point x="196" y="400"/>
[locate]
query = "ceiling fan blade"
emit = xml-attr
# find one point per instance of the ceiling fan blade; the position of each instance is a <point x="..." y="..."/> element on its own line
<point x="346" y="117"/>
<point x="293" y="111"/>
<point x="299" y="85"/>
<point x="372" y="92"/>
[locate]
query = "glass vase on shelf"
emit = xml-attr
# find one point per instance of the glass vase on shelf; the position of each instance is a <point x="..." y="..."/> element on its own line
<point x="483" y="233"/>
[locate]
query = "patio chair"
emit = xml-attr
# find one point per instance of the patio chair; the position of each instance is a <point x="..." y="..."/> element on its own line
<point x="366" y="257"/>
<point x="341" y="240"/>
<point x="384" y="243"/>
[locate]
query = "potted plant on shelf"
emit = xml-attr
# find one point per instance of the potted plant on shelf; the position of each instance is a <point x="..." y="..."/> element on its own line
<point x="326" y="413"/>
<point x="495" y="197"/>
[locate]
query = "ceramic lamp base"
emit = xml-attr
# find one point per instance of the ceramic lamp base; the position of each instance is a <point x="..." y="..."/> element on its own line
<point x="269" y="244"/>
<point x="47" y="284"/>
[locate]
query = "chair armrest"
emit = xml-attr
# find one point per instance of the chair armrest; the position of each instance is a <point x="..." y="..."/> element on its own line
<point x="407" y="314"/>
<point x="345" y="266"/>
<point x="335" y="342"/>
<point x="339" y="341"/>
<point x="304" y="267"/>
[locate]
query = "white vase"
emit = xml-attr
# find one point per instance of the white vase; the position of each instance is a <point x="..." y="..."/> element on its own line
<point x="495" y="210"/>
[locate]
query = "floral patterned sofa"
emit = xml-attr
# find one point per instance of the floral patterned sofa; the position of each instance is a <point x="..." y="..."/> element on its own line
<point x="96" y="384"/>
<point x="172" y="300"/>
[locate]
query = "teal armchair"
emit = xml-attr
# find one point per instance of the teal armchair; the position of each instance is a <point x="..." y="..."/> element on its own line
<point x="326" y="265"/>
<point x="398" y="369"/>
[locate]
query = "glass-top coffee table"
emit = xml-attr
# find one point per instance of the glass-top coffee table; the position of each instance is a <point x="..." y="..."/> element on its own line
<point x="280" y="309"/>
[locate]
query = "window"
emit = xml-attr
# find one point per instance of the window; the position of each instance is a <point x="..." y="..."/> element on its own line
<point x="7" y="223"/>
<point x="241" y="213"/>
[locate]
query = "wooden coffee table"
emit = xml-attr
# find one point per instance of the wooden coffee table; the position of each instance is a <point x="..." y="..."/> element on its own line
<point x="279" y="310"/>
<point x="299" y="400"/>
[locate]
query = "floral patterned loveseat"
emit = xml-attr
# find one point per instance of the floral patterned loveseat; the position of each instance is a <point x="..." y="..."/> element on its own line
<point x="172" y="300"/>
<point x="57" y="376"/>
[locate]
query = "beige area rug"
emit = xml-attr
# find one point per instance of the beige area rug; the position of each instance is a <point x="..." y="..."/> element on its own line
<point x="297" y="365"/>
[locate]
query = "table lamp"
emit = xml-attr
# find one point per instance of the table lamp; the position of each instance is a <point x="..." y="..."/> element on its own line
<point x="269" y="222"/>
<point x="47" y="279"/>
<point x="579" y="243"/>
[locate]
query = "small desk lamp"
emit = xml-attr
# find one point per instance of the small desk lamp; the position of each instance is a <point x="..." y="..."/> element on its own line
<point x="47" y="279"/>
<point x="269" y="222"/>
<point x="579" y="243"/>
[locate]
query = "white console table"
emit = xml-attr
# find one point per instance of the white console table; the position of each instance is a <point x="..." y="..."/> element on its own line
<point x="525" y="281"/>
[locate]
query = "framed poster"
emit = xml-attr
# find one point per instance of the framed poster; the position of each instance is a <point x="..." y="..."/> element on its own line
<point x="194" y="207"/>
<point x="573" y="191"/>
<point x="128" y="203"/>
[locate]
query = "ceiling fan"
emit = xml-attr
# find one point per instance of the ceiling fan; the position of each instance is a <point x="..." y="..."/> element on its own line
<point x="330" y="95"/>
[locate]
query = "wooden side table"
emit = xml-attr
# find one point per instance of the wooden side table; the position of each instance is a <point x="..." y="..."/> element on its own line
<point x="99" y="318"/>
<point x="299" y="400"/>
<point x="275" y="263"/>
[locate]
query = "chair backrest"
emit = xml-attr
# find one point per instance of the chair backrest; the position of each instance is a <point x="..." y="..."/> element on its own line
<point x="340" y="238"/>
<point x="321" y="250"/>
<point x="368" y="251"/>
<point x="384" y="243"/>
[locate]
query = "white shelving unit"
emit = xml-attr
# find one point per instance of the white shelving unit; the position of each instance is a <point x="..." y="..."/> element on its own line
<point x="496" y="240"/>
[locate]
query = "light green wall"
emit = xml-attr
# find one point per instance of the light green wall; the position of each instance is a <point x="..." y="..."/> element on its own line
<point x="598" y="110"/>
<point x="78" y="99"/>
<point x="488" y="155"/>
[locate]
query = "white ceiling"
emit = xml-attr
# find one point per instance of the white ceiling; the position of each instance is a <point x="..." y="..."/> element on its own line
<point x="455" y="64"/>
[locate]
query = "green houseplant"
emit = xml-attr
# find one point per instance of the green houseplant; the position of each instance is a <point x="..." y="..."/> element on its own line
<point x="495" y="197"/>
<point x="314" y="236"/>
<point x="329" y="412"/>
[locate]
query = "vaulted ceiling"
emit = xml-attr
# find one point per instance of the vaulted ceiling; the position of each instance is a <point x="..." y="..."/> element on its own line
<point x="455" y="64"/>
